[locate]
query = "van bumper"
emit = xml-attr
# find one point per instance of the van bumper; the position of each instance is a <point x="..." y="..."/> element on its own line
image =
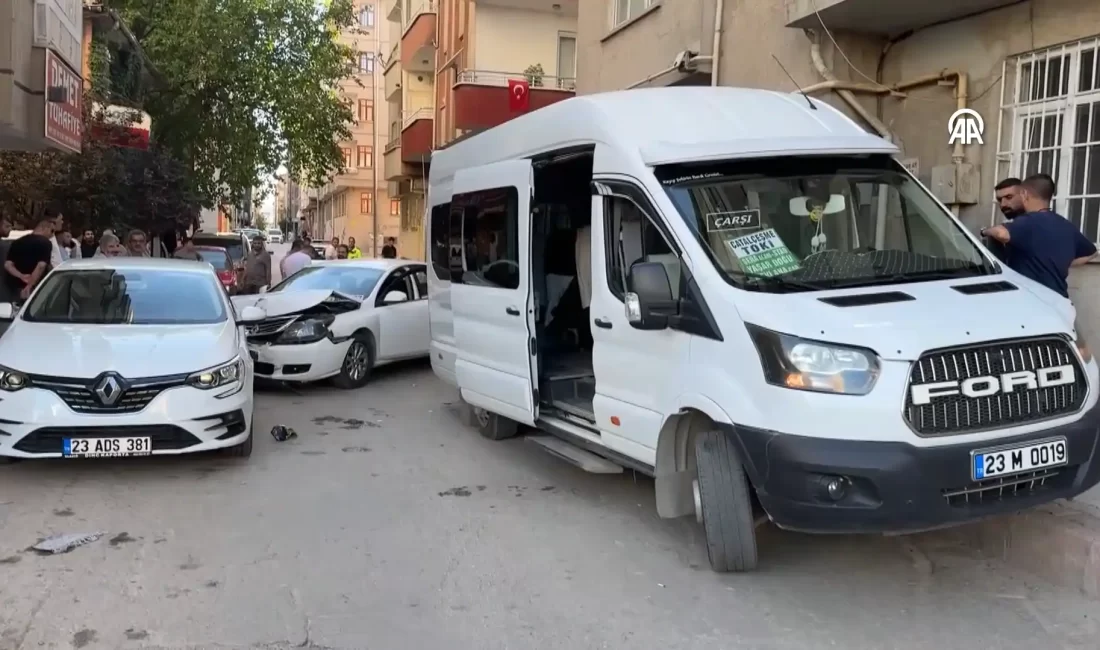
<point x="894" y="487"/>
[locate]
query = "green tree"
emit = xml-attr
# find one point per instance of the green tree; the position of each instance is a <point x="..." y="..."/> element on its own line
<point x="242" y="86"/>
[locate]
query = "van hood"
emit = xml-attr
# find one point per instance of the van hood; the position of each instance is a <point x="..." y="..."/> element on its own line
<point x="133" y="351"/>
<point x="282" y="303"/>
<point x="938" y="316"/>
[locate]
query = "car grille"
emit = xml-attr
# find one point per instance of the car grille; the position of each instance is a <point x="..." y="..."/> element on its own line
<point x="48" y="440"/>
<point x="80" y="396"/>
<point x="1001" y="488"/>
<point x="270" y="326"/>
<point x="953" y="409"/>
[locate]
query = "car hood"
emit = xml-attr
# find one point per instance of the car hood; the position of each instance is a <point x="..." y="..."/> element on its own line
<point x="937" y="316"/>
<point x="131" y="350"/>
<point x="282" y="303"/>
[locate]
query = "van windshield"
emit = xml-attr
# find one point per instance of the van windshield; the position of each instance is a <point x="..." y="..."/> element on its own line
<point x="824" y="222"/>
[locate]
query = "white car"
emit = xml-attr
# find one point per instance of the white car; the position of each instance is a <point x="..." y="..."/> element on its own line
<point x="119" y="356"/>
<point x="340" y="319"/>
<point x="274" y="236"/>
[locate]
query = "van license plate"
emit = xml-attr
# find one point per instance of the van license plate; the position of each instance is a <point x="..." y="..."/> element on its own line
<point x="991" y="463"/>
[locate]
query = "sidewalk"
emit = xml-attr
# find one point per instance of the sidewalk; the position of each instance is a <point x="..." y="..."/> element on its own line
<point x="1058" y="542"/>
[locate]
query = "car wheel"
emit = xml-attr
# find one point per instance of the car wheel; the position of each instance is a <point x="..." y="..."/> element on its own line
<point x="723" y="503"/>
<point x="358" y="363"/>
<point x="244" y="449"/>
<point x="491" y="425"/>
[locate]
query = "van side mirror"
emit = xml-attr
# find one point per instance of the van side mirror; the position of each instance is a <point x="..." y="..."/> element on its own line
<point x="649" y="302"/>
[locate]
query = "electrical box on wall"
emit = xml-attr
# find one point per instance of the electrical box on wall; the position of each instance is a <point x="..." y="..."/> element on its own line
<point x="957" y="183"/>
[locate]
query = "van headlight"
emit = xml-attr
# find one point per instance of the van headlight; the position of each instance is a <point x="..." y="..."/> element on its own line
<point x="12" y="380"/>
<point x="306" y="330"/>
<point x="801" y="364"/>
<point x="218" y="376"/>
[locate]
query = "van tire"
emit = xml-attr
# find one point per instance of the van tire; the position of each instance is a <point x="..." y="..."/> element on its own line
<point x="491" y="425"/>
<point x="725" y="502"/>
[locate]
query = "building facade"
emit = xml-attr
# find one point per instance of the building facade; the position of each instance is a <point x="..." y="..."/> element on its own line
<point x="356" y="202"/>
<point x="41" y="98"/>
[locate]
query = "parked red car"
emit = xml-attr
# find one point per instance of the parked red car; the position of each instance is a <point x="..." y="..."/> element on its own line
<point x="223" y="265"/>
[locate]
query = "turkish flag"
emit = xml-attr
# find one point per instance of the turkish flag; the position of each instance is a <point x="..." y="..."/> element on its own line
<point x="519" y="95"/>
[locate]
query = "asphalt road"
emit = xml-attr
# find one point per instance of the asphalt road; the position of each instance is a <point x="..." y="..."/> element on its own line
<point x="388" y="525"/>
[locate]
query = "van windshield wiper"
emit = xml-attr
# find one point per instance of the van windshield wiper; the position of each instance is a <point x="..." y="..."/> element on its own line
<point x="776" y="281"/>
<point x="938" y="274"/>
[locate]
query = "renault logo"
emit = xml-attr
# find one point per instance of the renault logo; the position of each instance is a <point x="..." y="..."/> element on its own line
<point x="109" y="389"/>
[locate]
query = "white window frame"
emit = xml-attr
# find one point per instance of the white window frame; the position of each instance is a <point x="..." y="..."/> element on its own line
<point x="615" y="19"/>
<point x="368" y="11"/>
<point x="1013" y="152"/>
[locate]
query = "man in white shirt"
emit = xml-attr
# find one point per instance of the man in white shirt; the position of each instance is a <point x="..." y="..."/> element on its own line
<point x="57" y="222"/>
<point x="297" y="260"/>
<point x="331" y="249"/>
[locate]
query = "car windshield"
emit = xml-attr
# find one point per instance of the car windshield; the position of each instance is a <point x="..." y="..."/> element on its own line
<point x="127" y="296"/>
<point x="802" y="223"/>
<point x="216" y="257"/>
<point x="357" y="281"/>
<point x="233" y="246"/>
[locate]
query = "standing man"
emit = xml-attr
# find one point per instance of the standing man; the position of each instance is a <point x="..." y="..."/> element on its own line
<point x="353" y="251"/>
<point x="330" y="250"/>
<point x="1041" y="244"/>
<point x="389" y="251"/>
<point x="88" y="244"/>
<point x="186" y="250"/>
<point x="341" y="252"/>
<point x="57" y="223"/>
<point x="5" y="230"/>
<point x="257" y="268"/>
<point x="296" y="260"/>
<point x="29" y="258"/>
<point x="69" y="249"/>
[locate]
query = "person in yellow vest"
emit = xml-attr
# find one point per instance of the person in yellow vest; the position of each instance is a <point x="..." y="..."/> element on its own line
<point x="353" y="251"/>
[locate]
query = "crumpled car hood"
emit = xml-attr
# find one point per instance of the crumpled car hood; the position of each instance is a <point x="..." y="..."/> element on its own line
<point x="284" y="303"/>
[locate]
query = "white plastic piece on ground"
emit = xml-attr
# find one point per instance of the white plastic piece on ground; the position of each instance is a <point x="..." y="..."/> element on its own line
<point x="64" y="543"/>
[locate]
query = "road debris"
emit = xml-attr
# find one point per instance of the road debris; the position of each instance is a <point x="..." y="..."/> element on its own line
<point x="282" y="434"/>
<point x="64" y="543"/>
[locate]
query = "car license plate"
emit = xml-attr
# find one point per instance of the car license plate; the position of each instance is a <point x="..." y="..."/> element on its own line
<point x="106" y="447"/>
<point x="991" y="463"/>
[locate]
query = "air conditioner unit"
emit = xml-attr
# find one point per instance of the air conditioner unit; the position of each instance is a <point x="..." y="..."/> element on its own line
<point x="417" y="185"/>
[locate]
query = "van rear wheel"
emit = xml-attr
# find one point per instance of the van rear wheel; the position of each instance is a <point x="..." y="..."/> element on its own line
<point x="723" y="503"/>
<point x="491" y="425"/>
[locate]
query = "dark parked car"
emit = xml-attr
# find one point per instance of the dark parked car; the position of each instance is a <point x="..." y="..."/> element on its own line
<point x="223" y="266"/>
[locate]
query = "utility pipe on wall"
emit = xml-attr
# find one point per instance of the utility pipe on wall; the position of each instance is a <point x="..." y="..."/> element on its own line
<point x="716" y="48"/>
<point x="845" y="94"/>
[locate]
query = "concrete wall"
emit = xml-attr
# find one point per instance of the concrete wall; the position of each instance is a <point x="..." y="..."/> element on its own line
<point x="418" y="91"/>
<point x="510" y="40"/>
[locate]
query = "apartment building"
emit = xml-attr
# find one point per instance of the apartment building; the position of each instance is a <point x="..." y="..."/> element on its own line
<point x="40" y="82"/>
<point x="355" y="203"/>
<point x="450" y="74"/>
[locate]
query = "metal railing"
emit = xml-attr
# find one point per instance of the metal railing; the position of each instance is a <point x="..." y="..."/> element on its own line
<point x="539" y="81"/>
<point x="419" y="114"/>
<point x="395" y="137"/>
<point x="393" y="56"/>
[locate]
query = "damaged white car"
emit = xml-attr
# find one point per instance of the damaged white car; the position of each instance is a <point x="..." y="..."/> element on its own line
<point x="340" y="319"/>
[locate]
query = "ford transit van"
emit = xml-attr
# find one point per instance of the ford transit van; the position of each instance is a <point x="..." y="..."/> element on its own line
<point x="744" y="295"/>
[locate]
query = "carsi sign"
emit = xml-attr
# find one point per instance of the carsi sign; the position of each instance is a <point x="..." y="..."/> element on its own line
<point x="64" y="120"/>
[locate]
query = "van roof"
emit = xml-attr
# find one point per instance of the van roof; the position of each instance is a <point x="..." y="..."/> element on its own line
<point x="666" y="125"/>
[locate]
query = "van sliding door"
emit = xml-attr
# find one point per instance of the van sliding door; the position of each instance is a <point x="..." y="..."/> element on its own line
<point x="491" y="288"/>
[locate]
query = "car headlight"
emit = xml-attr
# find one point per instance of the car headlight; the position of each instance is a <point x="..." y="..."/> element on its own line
<point x="12" y="380"/>
<point x="218" y="376"/>
<point x="307" y="330"/>
<point x="793" y="362"/>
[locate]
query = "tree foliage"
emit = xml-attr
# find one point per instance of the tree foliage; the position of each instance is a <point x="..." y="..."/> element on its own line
<point x="243" y="86"/>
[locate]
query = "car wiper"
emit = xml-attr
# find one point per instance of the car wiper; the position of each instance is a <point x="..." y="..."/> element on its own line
<point x="939" y="274"/>
<point x="777" y="281"/>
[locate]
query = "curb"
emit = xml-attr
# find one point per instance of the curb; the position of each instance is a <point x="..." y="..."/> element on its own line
<point x="1058" y="542"/>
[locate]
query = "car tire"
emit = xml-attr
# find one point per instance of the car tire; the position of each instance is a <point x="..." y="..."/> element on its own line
<point x="491" y="425"/>
<point x="355" y="369"/>
<point x="723" y="502"/>
<point x="244" y="449"/>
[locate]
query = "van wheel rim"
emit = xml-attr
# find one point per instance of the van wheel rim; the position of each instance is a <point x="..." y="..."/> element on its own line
<point x="482" y="416"/>
<point x="698" y="500"/>
<point x="356" y="362"/>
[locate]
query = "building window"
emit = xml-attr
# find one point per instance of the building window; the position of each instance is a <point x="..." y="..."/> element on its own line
<point x="366" y="202"/>
<point x="366" y="16"/>
<point x="364" y="157"/>
<point x="347" y="156"/>
<point x="1051" y="102"/>
<point x="395" y="207"/>
<point x="623" y="11"/>
<point x="366" y="62"/>
<point x="567" y="61"/>
<point x="366" y="110"/>
<point x="484" y="238"/>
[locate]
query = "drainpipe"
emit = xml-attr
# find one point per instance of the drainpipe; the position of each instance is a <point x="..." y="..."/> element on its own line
<point x="845" y="94"/>
<point x="716" y="48"/>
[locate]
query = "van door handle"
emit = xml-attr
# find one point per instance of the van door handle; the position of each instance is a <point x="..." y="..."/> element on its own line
<point x="512" y="311"/>
<point x="603" y="324"/>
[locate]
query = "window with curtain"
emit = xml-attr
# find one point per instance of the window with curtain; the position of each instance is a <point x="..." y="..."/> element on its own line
<point x="366" y="16"/>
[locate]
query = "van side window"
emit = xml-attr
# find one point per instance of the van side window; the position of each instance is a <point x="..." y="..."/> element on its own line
<point x="441" y="240"/>
<point x="631" y="237"/>
<point x="489" y="253"/>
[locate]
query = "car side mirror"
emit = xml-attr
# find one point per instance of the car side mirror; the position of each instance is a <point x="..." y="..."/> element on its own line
<point x="394" y="297"/>
<point x="251" y="315"/>
<point x="7" y="311"/>
<point x="649" y="302"/>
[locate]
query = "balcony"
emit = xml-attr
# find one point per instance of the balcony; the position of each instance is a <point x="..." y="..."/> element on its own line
<point x="392" y="77"/>
<point x="481" y="97"/>
<point x="393" y="168"/>
<point x="885" y="18"/>
<point x="416" y="136"/>
<point x="393" y="11"/>
<point x="418" y="38"/>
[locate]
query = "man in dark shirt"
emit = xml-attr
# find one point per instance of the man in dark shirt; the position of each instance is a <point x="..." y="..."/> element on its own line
<point x="29" y="258"/>
<point x="88" y="245"/>
<point x="1041" y="244"/>
<point x="5" y="244"/>
<point x="389" y="251"/>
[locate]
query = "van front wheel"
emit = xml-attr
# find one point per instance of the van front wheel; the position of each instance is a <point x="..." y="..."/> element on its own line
<point x="491" y="425"/>
<point x="724" y="504"/>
